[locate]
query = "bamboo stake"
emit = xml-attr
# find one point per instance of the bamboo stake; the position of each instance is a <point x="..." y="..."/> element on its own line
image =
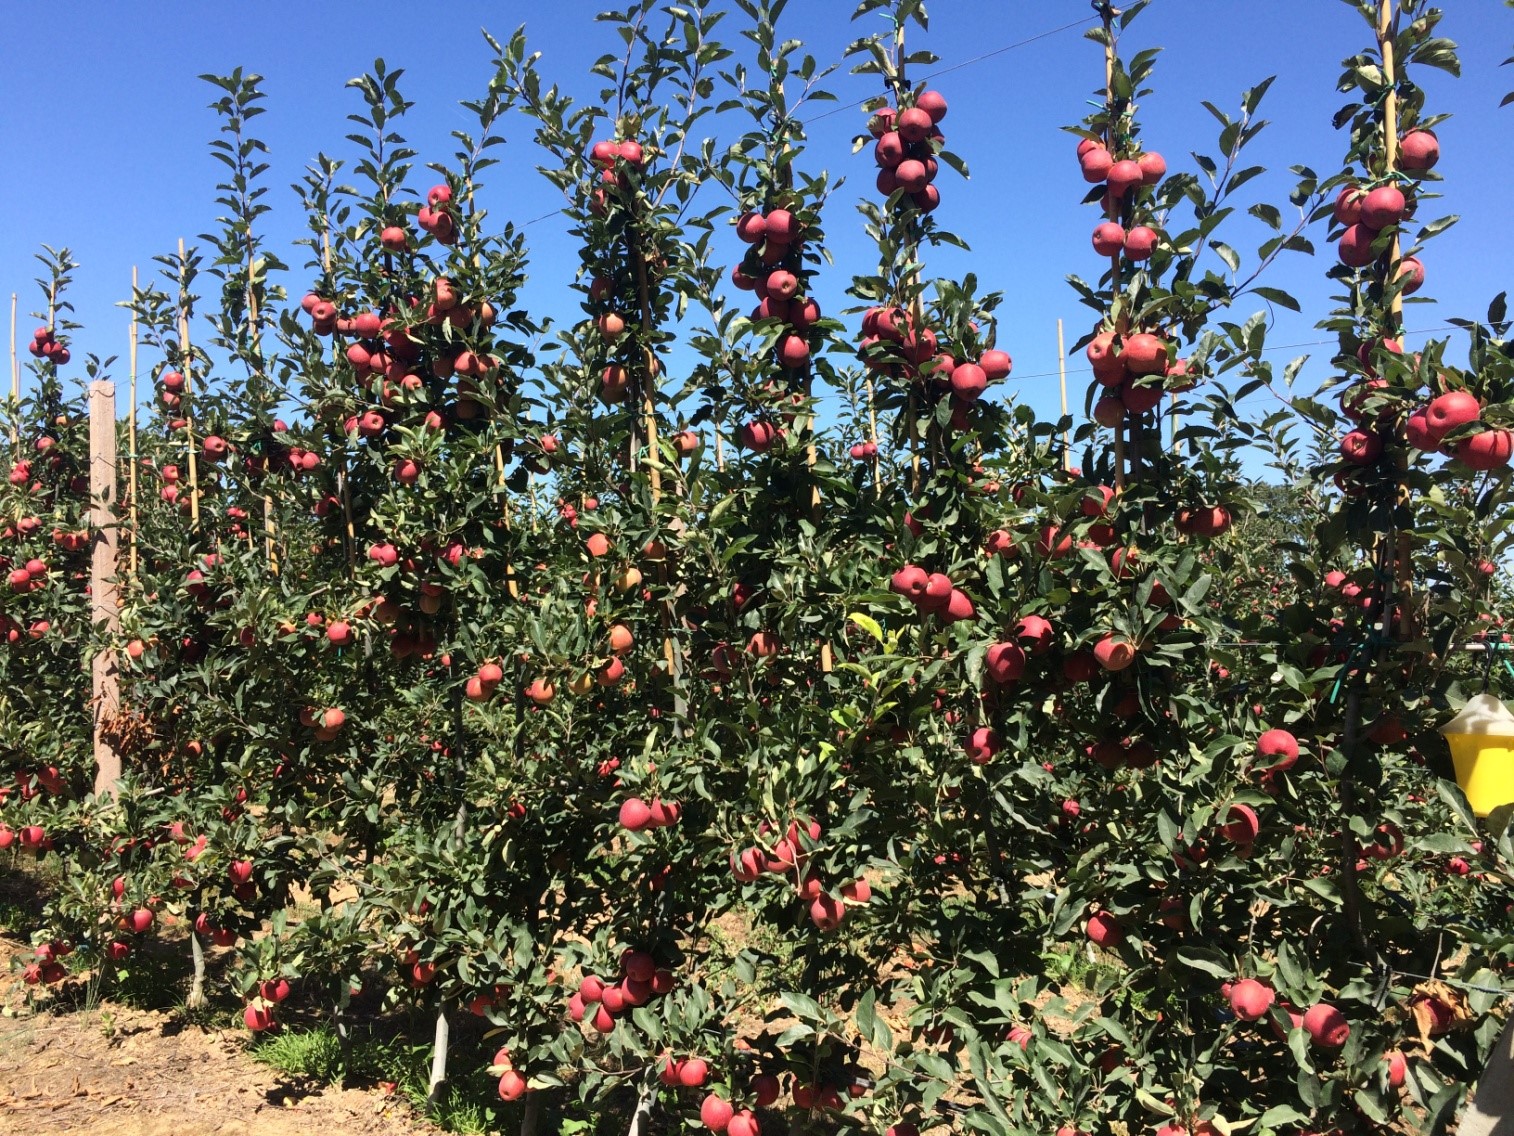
<point x="872" y="432"/>
<point x="255" y="333"/>
<point x="15" y="379"/>
<point x="1112" y="211"/>
<point x="1386" y="26"/>
<point x="343" y="491"/>
<point x="649" y="371"/>
<point x="186" y="362"/>
<point x="1062" y="372"/>
<point x="131" y="427"/>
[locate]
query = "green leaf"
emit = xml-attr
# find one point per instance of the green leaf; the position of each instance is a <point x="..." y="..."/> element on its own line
<point x="1456" y="800"/>
<point x="1206" y="960"/>
<point x="1277" y="296"/>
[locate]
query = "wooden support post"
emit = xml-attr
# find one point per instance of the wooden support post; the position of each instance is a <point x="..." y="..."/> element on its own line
<point x="104" y="612"/>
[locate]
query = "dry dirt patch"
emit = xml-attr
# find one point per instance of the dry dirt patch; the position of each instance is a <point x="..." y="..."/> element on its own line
<point x="116" y="1071"/>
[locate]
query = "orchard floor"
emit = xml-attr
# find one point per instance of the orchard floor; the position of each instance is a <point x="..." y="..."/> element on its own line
<point x="111" y="1069"/>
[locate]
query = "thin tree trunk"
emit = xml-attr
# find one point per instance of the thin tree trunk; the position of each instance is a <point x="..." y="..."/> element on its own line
<point x="196" y="997"/>
<point x="642" y="1114"/>
<point x="529" y="1117"/>
<point x="438" y="1060"/>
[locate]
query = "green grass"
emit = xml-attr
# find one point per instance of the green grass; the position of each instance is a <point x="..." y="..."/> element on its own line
<point x="1072" y="966"/>
<point x="316" y="1055"/>
<point x="14" y="918"/>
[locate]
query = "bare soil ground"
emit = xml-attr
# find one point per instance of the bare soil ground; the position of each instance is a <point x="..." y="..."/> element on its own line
<point x="108" y="1069"/>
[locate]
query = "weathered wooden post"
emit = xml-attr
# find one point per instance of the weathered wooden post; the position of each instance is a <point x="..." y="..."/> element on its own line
<point x="104" y="612"/>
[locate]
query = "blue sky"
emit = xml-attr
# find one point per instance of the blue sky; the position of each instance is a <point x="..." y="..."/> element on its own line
<point x="104" y="125"/>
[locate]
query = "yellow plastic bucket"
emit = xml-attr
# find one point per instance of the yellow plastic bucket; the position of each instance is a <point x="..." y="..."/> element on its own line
<point x="1484" y="769"/>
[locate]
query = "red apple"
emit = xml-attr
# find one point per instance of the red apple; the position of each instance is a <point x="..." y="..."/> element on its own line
<point x="1250" y="1000"/>
<point x="1278" y="744"/>
<point x="1487" y="450"/>
<point x="1104" y="930"/>
<point x="1114" y="652"/>
<point x="716" y="1113"/>
<point x="1095" y="161"/>
<point x="1108" y="238"/>
<point x="1241" y="825"/>
<point x="1355" y="246"/>
<point x="981" y="745"/>
<point x="1361" y="447"/>
<point x="1327" y="1026"/>
<point x="1450" y="411"/>
<point x="1419" y="150"/>
<point x="1140" y="242"/>
<point x="1124" y="176"/>
<point x="635" y="814"/>
<point x="1382" y="207"/>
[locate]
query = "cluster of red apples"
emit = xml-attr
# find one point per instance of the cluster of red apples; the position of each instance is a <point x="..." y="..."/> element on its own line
<point x="616" y="161"/>
<point x="637" y="815"/>
<point x="1425" y="428"/>
<point x="932" y="593"/>
<point x="46" y="345"/>
<point x="1366" y="212"/>
<point x="1120" y="177"/>
<point x="1134" y="366"/>
<point x="772" y="268"/>
<point x="436" y="216"/>
<point x="896" y="344"/>
<point x="259" y="1014"/>
<point x="908" y="140"/>
<point x="639" y="980"/>
<point x="790" y="854"/>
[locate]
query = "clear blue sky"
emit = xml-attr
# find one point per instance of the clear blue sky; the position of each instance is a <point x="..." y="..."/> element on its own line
<point x="104" y="125"/>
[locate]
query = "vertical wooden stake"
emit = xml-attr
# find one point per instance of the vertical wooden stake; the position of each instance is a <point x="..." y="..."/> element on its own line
<point x="1386" y="27"/>
<point x="131" y="429"/>
<point x="649" y="373"/>
<point x="104" y="613"/>
<point x="1062" y="372"/>
<point x="186" y="362"/>
<point x="1107" y="13"/>
<point x="15" y="378"/>
<point x="255" y="333"/>
<point x="872" y="432"/>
